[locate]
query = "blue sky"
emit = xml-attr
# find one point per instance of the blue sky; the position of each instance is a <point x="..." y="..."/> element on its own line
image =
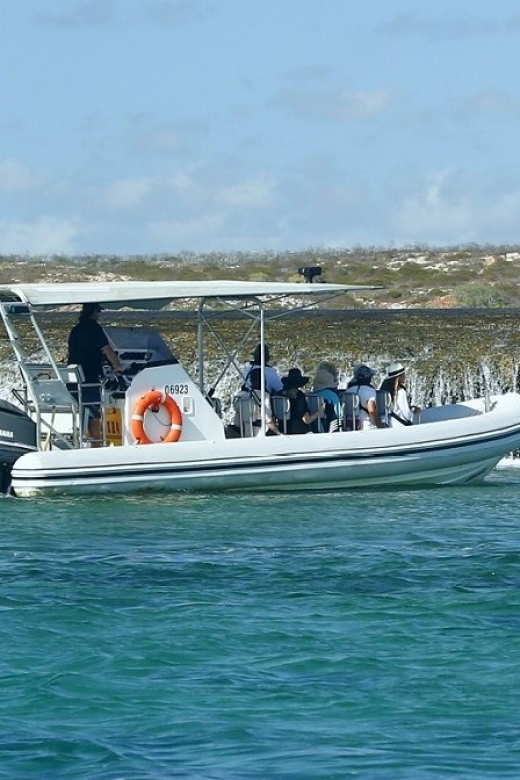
<point x="151" y="126"/>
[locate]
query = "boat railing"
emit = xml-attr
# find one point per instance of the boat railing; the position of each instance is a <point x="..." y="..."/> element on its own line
<point x="54" y="400"/>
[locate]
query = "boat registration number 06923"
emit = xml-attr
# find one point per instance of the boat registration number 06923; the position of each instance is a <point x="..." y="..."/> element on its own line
<point x="176" y="389"/>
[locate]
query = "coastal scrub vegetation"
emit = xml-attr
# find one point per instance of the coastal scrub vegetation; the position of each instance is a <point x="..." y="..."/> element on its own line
<point x="411" y="277"/>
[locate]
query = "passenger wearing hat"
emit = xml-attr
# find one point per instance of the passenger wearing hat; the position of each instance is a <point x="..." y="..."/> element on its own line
<point x="395" y="384"/>
<point x="300" y="417"/>
<point x="252" y="377"/>
<point x="325" y="383"/>
<point x="361" y="385"/>
<point x="89" y="348"/>
<point x="250" y="390"/>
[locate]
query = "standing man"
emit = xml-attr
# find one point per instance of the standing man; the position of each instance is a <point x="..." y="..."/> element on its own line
<point x="89" y="348"/>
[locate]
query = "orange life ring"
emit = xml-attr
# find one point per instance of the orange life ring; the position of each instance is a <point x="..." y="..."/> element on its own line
<point x="152" y="400"/>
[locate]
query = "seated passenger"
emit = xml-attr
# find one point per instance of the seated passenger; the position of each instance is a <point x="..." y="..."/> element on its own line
<point x="326" y="383"/>
<point x="361" y="385"/>
<point x="394" y="384"/>
<point x="273" y="382"/>
<point x="300" y="417"/>
<point x="250" y="391"/>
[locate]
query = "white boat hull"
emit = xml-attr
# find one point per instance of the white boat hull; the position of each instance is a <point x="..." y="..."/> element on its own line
<point x="456" y="444"/>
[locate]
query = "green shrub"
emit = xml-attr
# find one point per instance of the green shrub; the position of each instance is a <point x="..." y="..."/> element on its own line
<point x="478" y="295"/>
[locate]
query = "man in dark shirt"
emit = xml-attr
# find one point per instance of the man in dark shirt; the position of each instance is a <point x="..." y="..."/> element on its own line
<point x="89" y="348"/>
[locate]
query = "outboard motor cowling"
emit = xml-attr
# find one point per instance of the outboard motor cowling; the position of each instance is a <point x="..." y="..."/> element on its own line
<point x="17" y="433"/>
<point x="17" y="437"/>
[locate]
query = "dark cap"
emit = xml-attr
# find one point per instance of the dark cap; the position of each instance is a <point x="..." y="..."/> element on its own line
<point x="90" y="308"/>
<point x="363" y="373"/>
<point x="257" y="354"/>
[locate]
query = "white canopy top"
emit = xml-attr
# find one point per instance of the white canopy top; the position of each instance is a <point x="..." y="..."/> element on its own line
<point x="158" y="294"/>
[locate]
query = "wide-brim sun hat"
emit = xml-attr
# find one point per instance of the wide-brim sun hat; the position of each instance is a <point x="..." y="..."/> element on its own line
<point x="294" y="379"/>
<point x="395" y="370"/>
<point x="323" y="379"/>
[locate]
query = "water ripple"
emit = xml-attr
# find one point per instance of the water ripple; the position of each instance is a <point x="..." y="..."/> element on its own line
<point x="369" y="634"/>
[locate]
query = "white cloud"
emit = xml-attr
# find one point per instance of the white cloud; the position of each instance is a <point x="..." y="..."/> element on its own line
<point x="46" y="235"/>
<point x="204" y="207"/>
<point x="131" y="194"/>
<point x="189" y="190"/>
<point x="449" y="209"/>
<point x="182" y="182"/>
<point x="254" y="194"/>
<point x="433" y="214"/>
<point x="127" y="193"/>
<point x="200" y="231"/>
<point x="502" y="213"/>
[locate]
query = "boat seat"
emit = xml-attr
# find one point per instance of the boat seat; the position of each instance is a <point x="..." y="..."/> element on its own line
<point x="57" y="400"/>
<point x="39" y="370"/>
<point x="281" y="411"/>
<point x="350" y="411"/>
<point x="68" y="373"/>
<point x="314" y="401"/>
<point x="383" y="405"/>
<point x="245" y="414"/>
<point x="53" y="393"/>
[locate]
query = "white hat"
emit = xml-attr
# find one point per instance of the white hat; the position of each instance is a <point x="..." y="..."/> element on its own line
<point x="395" y="369"/>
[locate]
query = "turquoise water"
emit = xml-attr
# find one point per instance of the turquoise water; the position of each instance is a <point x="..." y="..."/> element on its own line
<point x="366" y="635"/>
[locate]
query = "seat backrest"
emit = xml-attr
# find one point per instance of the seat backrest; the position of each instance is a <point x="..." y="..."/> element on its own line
<point x="53" y="394"/>
<point x="350" y="411"/>
<point x="383" y="405"/>
<point x="245" y="414"/>
<point x="38" y="370"/>
<point x="51" y="390"/>
<point x="72" y="373"/>
<point x="314" y="402"/>
<point x="281" y="407"/>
